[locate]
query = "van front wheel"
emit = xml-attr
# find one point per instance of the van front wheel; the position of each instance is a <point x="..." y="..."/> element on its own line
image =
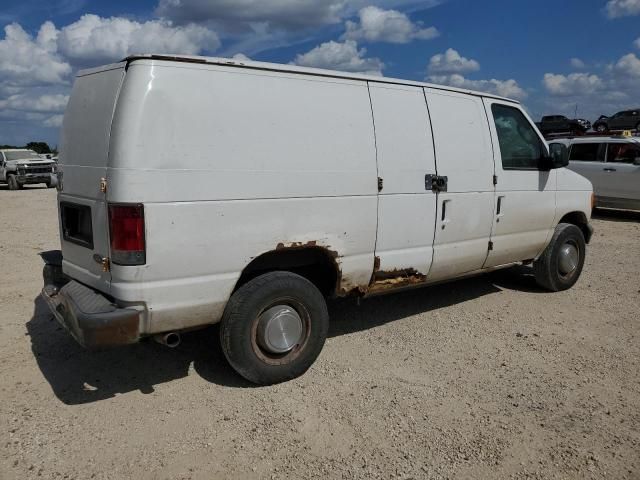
<point x="560" y="265"/>
<point x="274" y="327"/>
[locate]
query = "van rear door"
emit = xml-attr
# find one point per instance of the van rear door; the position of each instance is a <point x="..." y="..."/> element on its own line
<point x="84" y="157"/>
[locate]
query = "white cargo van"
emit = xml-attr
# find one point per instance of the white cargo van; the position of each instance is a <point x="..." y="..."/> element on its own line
<point x="200" y="190"/>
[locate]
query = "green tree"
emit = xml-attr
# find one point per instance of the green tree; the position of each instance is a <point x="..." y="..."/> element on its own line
<point x="38" y="147"/>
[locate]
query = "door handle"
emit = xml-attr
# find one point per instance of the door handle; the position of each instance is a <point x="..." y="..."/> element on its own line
<point x="443" y="219"/>
<point x="499" y="208"/>
<point x="609" y="169"/>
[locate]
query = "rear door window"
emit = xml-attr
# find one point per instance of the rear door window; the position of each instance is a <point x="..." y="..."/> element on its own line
<point x="623" y="152"/>
<point x="587" y="152"/>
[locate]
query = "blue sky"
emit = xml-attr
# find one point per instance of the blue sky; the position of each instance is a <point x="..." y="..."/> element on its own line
<point x="551" y="55"/>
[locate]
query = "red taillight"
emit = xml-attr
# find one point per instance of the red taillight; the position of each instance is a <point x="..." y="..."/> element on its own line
<point x="126" y="227"/>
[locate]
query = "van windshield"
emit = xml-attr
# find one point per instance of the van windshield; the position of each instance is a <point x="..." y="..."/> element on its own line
<point x="22" y="155"/>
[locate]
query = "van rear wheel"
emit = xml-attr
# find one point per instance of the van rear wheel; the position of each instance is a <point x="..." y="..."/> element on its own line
<point x="274" y="327"/>
<point x="560" y="265"/>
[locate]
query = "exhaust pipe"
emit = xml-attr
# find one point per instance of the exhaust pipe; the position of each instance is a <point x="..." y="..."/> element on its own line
<point x="171" y="339"/>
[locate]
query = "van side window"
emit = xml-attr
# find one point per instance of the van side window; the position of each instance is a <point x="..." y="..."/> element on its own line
<point x="587" y="152"/>
<point x="622" y="152"/>
<point x="520" y="146"/>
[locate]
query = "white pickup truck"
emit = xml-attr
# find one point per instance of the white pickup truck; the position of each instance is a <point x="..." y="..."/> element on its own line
<point x="19" y="167"/>
<point x="247" y="193"/>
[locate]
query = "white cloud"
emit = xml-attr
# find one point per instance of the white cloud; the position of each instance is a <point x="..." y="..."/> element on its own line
<point x="622" y="8"/>
<point x="28" y="61"/>
<point x="573" y="84"/>
<point x="236" y="16"/>
<point x="451" y="62"/>
<point x="577" y="63"/>
<point x="54" y="121"/>
<point x="378" y="25"/>
<point x="344" y="56"/>
<point x="240" y="14"/>
<point x="31" y="103"/>
<point x="241" y="57"/>
<point x="504" y="88"/>
<point x="637" y="43"/>
<point x="628" y="66"/>
<point x="613" y="89"/>
<point x="94" y="40"/>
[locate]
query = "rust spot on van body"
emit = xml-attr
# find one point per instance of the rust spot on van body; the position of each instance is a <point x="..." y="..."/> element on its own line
<point x="397" y="278"/>
<point x="295" y="245"/>
<point x="383" y="280"/>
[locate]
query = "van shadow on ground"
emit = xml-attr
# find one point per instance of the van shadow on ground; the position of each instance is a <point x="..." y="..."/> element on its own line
<point x="78" y="376"/>
<point x="630" y="216"/>
<point x="35" y="186"/>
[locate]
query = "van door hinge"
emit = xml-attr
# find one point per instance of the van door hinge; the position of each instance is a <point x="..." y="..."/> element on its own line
<point x="380" y="183"/>
<point x="490" y="245"/>
<point x="495" y="179"/>
<point x="436" y="183"/>
<point x="103" y="185"/>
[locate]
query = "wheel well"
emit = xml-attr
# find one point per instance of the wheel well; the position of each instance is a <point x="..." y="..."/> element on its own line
<point x="316" y="264"/>
<point x="579" y="219"/>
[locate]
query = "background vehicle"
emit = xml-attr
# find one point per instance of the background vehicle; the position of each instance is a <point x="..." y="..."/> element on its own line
<point x="561" y="124"/>
<point x="625" y="120"/>
<point x="20" y="167"/>
<point x="612" y="164"/>
<point x="246" y="193"/>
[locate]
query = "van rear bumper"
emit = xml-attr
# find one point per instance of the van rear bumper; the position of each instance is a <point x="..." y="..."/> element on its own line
<point x="93" y="320"/>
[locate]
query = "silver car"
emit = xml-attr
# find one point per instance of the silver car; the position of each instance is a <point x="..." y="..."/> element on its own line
<point x="612" y="164"/>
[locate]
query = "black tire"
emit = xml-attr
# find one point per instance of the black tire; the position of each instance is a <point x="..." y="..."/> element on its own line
<point x="601" y="128"/>
<point x="239" y="327"/>
<point x="638" y="127"/>
<point x="12" y="181"/>
<point x="547" y="268"/>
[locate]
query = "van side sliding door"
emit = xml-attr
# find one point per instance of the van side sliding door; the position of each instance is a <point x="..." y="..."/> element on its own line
<point x="406" y="210"/>
<point x="463" y="154"/>
<point x="525" y="203"/>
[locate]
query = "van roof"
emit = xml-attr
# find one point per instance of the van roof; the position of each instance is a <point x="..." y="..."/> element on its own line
<point x="278" y="67"/>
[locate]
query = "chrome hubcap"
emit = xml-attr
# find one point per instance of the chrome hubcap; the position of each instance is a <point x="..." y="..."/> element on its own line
<point x="569" y="257"/>
<point x="279" y="329"/>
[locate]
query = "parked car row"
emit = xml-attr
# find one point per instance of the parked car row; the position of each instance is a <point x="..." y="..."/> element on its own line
<point x="559" y="124"/>
<point x="19" y="167"/>
<point x="551" y="124"/>
<point x="612" y="164"/>
<point x="625" y="120"/>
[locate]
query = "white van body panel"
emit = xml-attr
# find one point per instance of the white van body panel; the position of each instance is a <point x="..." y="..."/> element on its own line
<point x="570" y="195"/>
<point x="406" y="215"/>
<point x="261" y="159"/>
<point x="464" y="156"/>
<point x="234" y="161"/>
<point x="84" y="159"/>
<point x="515" y="234"/>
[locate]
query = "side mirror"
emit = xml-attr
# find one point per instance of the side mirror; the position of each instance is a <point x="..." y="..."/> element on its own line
<point x="558" y="156"/>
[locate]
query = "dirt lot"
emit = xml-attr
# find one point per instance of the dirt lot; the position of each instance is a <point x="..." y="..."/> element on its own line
<point x="483" y="378"/>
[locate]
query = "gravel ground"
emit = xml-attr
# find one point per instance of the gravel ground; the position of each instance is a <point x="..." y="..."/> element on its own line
<point x="482" y="378"/>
